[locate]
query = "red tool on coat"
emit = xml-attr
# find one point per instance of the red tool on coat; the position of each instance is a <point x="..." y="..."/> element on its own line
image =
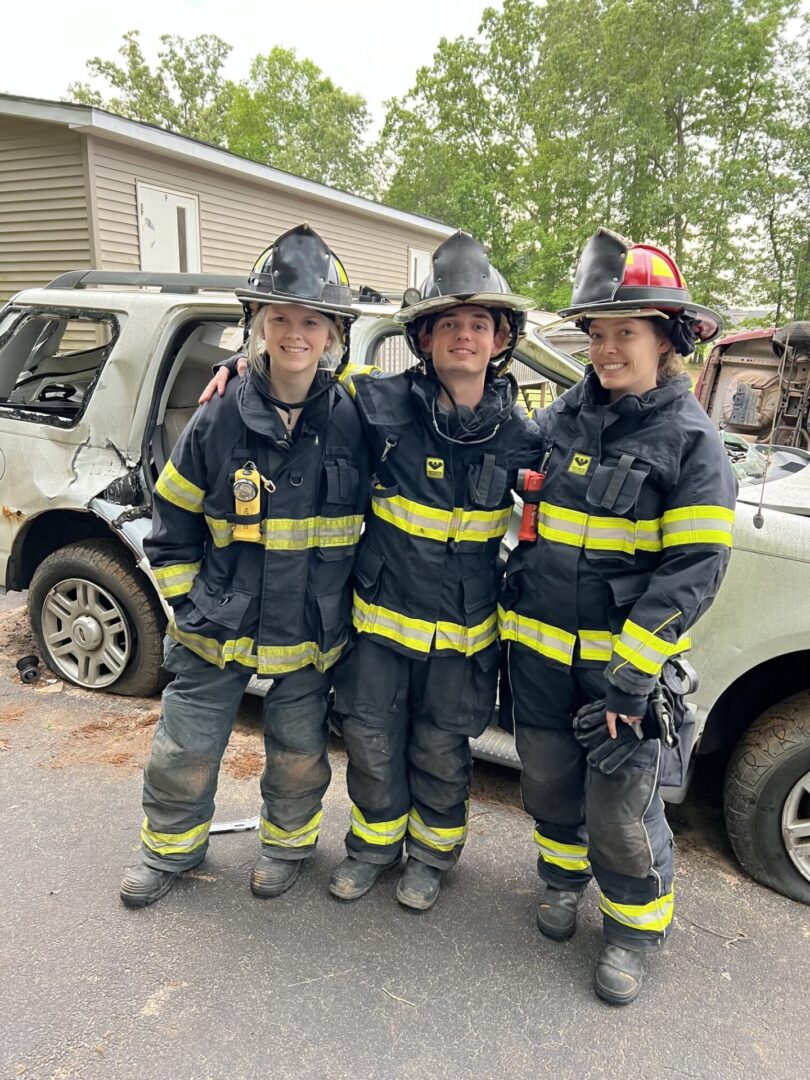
<point x="529" y="485"/>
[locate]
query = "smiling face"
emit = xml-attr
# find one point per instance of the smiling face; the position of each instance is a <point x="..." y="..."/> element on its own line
<point x="625" y="354"/>
<point x="463" y="340"/>
<point x="295" y="337"/>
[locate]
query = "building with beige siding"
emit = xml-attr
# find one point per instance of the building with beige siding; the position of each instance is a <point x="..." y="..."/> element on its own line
<point x="83" y="188"/>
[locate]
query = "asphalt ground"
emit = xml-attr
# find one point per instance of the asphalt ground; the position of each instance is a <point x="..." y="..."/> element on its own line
<point x="213" y="983"/>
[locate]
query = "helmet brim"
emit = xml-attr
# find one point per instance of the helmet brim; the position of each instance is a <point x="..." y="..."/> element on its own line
<point x="708" y="323"/>
<point x="507" y="301"/>
<point x="254" y="296"/>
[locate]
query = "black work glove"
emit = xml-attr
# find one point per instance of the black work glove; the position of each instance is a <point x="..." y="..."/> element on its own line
<point x="604" y="753"/>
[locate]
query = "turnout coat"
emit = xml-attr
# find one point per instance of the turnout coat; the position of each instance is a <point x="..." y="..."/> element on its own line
<point x="281" y="601"/>
<point x="634" y="535"/>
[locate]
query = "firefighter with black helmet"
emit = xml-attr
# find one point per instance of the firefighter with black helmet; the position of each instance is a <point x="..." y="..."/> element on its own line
<point x="256" y="517"/>
<point x="447" y="441"/>
<point x="634" y="533"/>
<point x="420" y="677"/>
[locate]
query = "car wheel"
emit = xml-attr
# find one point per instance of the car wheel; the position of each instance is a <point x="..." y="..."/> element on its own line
<point x="767" y="798"/>
<point x="96" y="619"/>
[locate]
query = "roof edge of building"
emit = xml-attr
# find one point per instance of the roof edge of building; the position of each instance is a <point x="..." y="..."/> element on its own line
<point x="88" y="119"/>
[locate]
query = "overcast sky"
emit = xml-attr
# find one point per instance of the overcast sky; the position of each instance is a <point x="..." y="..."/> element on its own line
<point x="372" y="47"/>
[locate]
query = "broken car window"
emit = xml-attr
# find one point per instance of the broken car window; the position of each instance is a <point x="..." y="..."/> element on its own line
<point x="49" y="362"/>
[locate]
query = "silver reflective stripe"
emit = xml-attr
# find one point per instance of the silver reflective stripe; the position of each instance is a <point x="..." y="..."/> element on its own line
<point x="654" y="917"/>
<point x="384" y="832"/>
<point x="467" y="639"/>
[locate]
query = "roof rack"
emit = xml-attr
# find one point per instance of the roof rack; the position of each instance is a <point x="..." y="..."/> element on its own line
<point x="177" y="283"/>
<point x="185" y="283"/>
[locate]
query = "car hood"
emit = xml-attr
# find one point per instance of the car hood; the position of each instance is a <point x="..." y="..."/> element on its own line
<point x="786" y="482"/>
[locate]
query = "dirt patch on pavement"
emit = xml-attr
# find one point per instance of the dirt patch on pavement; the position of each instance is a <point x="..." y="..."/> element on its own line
<point x="15" y="634"/>
<point x="242" y="764"/>
<point x="118" y="739"/>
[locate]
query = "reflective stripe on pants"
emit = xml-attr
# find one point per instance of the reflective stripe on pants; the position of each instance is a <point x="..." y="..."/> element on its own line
<point x="406" y="726"/>
<point x="613" y="827"/>
<point x="180" y="777"/>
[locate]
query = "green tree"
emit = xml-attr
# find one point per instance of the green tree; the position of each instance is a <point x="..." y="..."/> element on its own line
<point x="639" y="114"/>
<point x="289" y="114"/>
<point x="286" y="113"/>
<point x="185" y="93"/>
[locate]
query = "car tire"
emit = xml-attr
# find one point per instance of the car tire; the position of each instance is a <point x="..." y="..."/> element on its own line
<point x="96" y="619"/>
<point x="767" y="789"/>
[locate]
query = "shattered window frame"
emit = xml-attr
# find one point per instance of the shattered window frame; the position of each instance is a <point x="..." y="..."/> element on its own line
<point x="20" y="411"/>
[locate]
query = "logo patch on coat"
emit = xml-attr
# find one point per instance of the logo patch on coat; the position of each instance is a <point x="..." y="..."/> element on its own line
<point x="434" y="468"/>
<point x="580" y="463"/>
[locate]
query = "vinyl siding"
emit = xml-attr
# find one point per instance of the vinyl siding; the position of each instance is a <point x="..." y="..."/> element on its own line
<point x="239" y="218"/>
<point x="43" y="204"/>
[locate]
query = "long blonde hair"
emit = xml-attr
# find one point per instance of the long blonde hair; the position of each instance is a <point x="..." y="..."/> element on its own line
<point x="256" y="351"/>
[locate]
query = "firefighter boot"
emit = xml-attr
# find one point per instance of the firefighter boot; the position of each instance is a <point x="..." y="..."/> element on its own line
<point x="144" y="884"/>
<point x="619" y="973"/>
<point x="419" y="885"/>
<point x="557" y="913"/>
<point x="272" y="877"/>
<point x="352" y="878"/>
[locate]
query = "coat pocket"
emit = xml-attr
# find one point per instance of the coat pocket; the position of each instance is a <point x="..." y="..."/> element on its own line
<point x="342" y="482"/>
<point x="368" y="568"/>
<point x="479" y="593"/>
<point x="617" y="487"/>
<point x="225" y="609"/>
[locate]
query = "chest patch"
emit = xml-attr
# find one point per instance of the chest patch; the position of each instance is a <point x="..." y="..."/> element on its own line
<point x="434" y="468"/>
<point x="580" y="463"/>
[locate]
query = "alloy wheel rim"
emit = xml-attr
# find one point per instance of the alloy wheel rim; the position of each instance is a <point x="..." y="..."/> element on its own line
<point x="796" y="825"/>
<point x="86" y="633"/>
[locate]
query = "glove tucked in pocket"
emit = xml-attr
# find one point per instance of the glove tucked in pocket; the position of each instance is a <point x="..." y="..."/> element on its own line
<point x="604" y="753"/>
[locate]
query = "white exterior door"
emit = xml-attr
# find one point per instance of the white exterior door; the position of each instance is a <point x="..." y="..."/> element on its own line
<point x="419" y="266"/>
<point x="169" y="230"/>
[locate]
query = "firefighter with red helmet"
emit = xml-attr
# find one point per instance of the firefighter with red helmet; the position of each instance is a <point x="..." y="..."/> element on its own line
<point x="634" y="533"/>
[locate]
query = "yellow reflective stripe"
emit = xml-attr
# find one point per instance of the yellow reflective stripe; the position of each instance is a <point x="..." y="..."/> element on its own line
<point x="221" y="531"/>
<point x="174" y="488"/>
<point x="560" y="525"/>
<point x="543" y="638"/>
<point x="270" y="659"/>
<point x="596" y="644"/>
<point x="432" y="837"/>
<point x="374" y="619"/>
<point x="274" y="836"/>
<point x="654" y="917"/>
<point x="567" y="856"/>
<point x="177" y="579"/>
<point x="346" y="377"/>
<point x="644" y="649"/>
<point x="174" y="843"/>
<point x="698" y="525"/>
<point x="430" y="523"/>
<point x="295" y="534"/>
<point x="467" y="639"/>
<point x="377" y="832"/>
